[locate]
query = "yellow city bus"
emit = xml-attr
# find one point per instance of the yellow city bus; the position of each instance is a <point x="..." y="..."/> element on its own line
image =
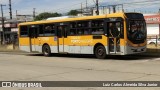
<point x="111" y="34"/>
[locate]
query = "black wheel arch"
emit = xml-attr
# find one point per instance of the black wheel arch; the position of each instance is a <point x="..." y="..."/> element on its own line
<point x="96" y="45"/>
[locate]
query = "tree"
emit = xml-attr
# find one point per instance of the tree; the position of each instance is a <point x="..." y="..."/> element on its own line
<point x="73" y="12"/>
<point x="46" y="15"/>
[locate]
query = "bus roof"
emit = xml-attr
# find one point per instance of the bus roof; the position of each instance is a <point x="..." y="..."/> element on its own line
<point x="74" y="19"/>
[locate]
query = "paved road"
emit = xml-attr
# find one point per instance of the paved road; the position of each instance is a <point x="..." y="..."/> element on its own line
<point x="35" y="67"/>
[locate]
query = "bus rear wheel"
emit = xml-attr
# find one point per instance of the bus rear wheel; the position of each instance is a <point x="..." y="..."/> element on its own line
<point x="100" y="52"/>
<point x="46" y="50"/>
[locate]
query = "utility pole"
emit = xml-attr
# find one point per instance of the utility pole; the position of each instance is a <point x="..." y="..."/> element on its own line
<point x="86" y="4"/>
<point x="97" y="7"/>
<point x="16" y="13"/>
<point x="114" y="8"/>
<point x="109" y="10"/>
<point x="10" y="9"/>
<point x="34" y="12"/>
<point x="3" y="24"/>
<point x="122" y="8"/>
<point x="81" y="9"/>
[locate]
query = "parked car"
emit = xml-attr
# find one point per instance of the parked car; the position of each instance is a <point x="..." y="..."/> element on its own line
<point x="153" y="41"/>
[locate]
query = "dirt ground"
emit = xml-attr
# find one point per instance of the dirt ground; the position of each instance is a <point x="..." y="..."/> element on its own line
<point x="8" y="48"/>
<point x="153" y="48"/>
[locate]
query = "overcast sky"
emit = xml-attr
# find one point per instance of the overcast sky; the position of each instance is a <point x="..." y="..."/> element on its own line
<point x="26" y="6"/>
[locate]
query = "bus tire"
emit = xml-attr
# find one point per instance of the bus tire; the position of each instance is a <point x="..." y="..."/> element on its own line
<point x="46" y="50"/>
<point x="100" y="52"/>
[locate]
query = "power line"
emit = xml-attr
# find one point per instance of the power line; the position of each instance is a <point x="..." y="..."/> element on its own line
<point x="142" y="5"/>
<point x="94" y="1"/>
<point x="141" y="2"/>
<point x="66" y="8"/>
<point x="74" y="4"/>
<point x="138" y="4"/>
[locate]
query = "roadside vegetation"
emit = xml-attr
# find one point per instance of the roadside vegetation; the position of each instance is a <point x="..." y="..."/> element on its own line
<point x="45" y="15"/>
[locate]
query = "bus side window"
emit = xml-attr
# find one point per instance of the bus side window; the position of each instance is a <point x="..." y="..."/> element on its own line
<point x="121" y="30"/>
<point x="49" y="30"/>
<point x="73" y="28"/>
<point x="97" y="27"/>
<point x="53" y="31"/>
<point x="83" y="27"/>
<point x="24" y="31"/>
<point x="98" y="31"/>
<point x="72" y="31"/>
<point x="80" y="31"/>
<point x="59" y="32"/>
<point x="41" y="31"/>
<point x="65" y="32"/>
<point x="86" y="31"/>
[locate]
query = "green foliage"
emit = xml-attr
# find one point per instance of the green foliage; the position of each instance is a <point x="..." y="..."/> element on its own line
<point x="46" y="15"/>
<point x="73" y="12"/>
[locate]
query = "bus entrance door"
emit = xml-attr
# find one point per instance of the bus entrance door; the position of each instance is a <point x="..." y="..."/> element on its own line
<point x="33" y="34"/>
<point x="62" y="38"/>
<point x="114" y="38"/>
<point x="114" y="45"/>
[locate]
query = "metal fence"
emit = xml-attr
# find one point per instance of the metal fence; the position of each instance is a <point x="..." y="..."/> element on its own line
<point x="153" y="40"/>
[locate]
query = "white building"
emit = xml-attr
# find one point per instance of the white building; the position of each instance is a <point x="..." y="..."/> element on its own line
<point x="153" y="24"/>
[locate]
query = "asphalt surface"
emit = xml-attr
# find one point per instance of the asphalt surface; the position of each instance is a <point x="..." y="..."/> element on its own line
<point x="18" y="66"/>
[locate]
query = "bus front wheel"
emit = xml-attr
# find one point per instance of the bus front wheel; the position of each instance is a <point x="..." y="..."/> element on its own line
<point x="100" y="52"/>
<point x="46" y="50"/>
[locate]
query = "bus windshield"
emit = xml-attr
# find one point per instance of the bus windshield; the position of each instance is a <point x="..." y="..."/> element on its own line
<point x="137" y="31"/>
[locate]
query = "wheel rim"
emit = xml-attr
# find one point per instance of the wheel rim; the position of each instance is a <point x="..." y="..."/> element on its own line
<point x="46" y="51"/>
<point x="100" y="51"/>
